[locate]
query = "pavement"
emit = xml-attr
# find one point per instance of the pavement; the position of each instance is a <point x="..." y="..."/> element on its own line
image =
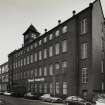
<point x="21" y="101"/>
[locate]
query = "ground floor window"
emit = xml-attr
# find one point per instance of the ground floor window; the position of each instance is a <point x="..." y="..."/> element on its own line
<point x="57" y="87"/>
<point x="45" y="88"/>
<point x="36" y="88"/>
<point x="51" y="88"/>
<point x="64" y="88"/>
<point x="40" y="88"/>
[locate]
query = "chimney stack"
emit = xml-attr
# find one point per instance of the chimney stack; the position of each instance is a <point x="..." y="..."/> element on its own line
<point x="59" y="22"/>
<point x="74" y="12"/>
<point x="45" y="30"/>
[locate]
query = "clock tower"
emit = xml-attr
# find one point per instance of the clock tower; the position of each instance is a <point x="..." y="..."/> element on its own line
<point x="30" y="34"/>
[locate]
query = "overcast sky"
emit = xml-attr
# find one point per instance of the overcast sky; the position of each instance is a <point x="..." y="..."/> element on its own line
<point x="17" y="15"/>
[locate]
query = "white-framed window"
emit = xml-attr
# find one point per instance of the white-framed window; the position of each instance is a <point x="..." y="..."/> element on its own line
<point x="50" y="51"/>
<point x="64" y="88"/>
<point x="40" y="88"/>
<point x="51" y="69"/>
<point x="83" y="26"/>
<point x="40" y="55"/>
<point x="64" y="66"/>
<point x="64" y="29"/>
<point x="40" y="71"/>
<point x="36" y="88"/>
<point x="35" y="73"/>
<point x="45" y="53"/>
<point x="45" y="71"/>
<point x="35" y="44"/>
<point x="57" y="67"/>
<point x="40" y="42"/>
<point x="31" y="46"/>
<point x="24" y="61"/>
<point x="13" y="66"/>
<point x="84" y="75"/>
<point x="28" y="74"/>
<point x="51" y="88"/>
<point x="21" y="62"/>
<point x="21" y="52"/>
<point x="64" y="46"/>
<point x="28" y="60"/>
<point x="102" y="86"/>
<point x="102" y="44"/>
<point x="84" y="50"/>
<point x="32" y="73"/>
<point x="45" y="39"/>
<point x="28" y="49"/>
<point x="21" y="75"/>
<point x="31" y="58"/>
<point x="18" y="63"/>
<point x="45" y="88"/>
<point x="50" y="36"/>
<point x="57" y="87"/>
<point x="35" y="57"/>
<point x="57" y="48"/>
<point x="102" y="66"/>
<point x="57" y="33"/>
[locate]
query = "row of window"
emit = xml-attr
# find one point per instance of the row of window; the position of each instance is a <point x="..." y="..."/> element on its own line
<point x="53" y="88"/>
<point x="45" y="71"/>
<point x="42" y="54"/>
<point x="44" y="40"/>
<point x="83" y="30"/>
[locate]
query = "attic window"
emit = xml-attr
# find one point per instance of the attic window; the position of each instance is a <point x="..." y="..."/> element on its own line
<point x="64" y="29"/>
<point x="57" y="33"/>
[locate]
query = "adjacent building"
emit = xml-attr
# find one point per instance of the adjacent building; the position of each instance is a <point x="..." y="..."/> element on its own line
<point x="4" y="77"/>
<point x="66" y="60"/>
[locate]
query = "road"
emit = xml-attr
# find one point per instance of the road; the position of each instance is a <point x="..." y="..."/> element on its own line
<point x="21" y="101"/>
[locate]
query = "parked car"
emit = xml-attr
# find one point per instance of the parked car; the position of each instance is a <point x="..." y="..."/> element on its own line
<point x="100" y="99"/>
<point x="7" y="93"/>
<point x="75" y="100"/>
<point x="46" y="97"/>
<point x="56" y="100"/>
<point x="31" y="95"/>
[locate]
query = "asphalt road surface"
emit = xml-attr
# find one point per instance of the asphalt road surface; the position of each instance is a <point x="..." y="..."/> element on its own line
<point x="21" y="101"/>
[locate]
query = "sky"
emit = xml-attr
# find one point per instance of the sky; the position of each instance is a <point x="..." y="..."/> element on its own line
<point x="17" y="15"/>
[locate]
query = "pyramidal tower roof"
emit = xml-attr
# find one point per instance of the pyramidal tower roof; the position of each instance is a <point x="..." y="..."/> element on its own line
<point x="31" y="28"/>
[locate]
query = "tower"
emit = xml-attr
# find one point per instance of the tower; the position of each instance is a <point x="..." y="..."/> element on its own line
<point x="30" y="34"/>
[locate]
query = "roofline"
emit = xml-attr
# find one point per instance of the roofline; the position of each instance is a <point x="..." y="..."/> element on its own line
<point x="54" y="28"/>
<point x="4" y="63"/>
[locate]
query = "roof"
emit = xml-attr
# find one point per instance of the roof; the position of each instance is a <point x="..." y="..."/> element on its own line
<point x="31" y="28"/>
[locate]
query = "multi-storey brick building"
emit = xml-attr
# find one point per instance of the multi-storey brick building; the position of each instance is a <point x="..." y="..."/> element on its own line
<point x="66" y="60"/>
<point x="4" y="77"/>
